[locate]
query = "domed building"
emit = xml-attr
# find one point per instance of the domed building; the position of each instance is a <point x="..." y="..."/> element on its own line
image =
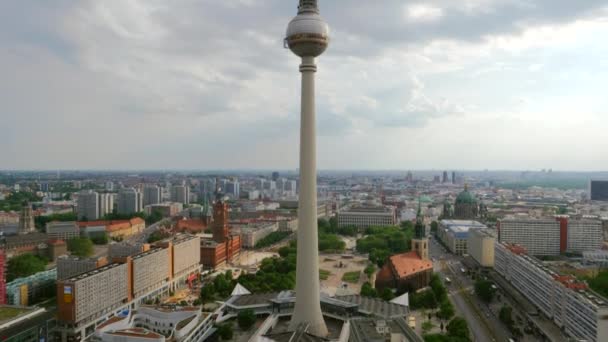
<point x="466" y="206"/>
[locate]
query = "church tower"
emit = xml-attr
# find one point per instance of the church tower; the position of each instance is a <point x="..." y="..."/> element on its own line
<point x="420" y="242"/>
<point x="220" y="216"/>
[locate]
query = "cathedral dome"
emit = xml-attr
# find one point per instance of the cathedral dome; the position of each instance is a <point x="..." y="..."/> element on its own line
<point x="466" y="197"/>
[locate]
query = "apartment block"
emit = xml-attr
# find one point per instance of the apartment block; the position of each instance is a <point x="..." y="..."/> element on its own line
<point x="150" y="270"/>
<point x="83" y="298"/>
<point x="186" y="254"/>
<point x="152" y="195"/>
<point x="129" y="201"/>
<point x="580" y="312"/>
<point x="180" y="194"/>
<point x="584" y="235"/>
<point x="552" y="236"/>
<point x="363" y="217"/>
<point x="70" y="266"/>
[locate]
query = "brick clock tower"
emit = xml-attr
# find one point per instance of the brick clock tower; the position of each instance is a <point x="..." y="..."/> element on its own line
<point x="220" y="221"/>
<point x="420" y="242"/>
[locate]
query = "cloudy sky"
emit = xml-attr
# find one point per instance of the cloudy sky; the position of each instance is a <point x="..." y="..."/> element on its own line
<point x="206" y="84"/>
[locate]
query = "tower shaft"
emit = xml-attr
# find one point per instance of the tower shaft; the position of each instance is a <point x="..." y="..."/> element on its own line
<point x="308" y="307"/>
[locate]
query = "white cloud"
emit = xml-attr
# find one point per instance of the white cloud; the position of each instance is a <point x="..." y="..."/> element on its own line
<point x="423" y="12"/>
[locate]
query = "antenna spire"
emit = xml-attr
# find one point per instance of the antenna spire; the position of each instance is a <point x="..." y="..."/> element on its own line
<point x="308" y="6"/>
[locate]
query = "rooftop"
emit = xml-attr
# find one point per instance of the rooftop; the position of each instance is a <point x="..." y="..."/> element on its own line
<point x="409" y="263"/>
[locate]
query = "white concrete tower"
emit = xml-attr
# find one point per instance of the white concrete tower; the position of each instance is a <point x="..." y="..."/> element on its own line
<point x="308" y="37"/>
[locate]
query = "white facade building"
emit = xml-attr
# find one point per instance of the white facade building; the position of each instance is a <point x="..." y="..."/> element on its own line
<point x="152" y="195"/>
<point x="130" y="201"/>
<point x="180" y="194"/>
<point x="480" y="246"/>
<point x="538" y="236"/>
<point x="364" y="217"/>
<point x="582" y="313"/>
<point x="585" y="235"/>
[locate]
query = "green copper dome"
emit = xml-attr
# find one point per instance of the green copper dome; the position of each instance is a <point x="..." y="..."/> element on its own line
<point x="466" y="197"/>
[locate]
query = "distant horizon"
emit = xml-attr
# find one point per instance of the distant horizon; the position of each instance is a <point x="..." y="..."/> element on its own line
<point x="270" y="170"/>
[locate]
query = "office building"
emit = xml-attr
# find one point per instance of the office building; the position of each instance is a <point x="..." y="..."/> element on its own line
<point x="87" y="207"/>
<point x="455" y="234"/>
<point x="167" y="209"/>
<point x="552" y="236"/>
<point x="252" y="233"/>
<point x="568" y="302"/>
<point x="180" y="194"/>
<point x="480" y="246"/>
<point x="186" y="254"/>
<point x="70" y="266"/>
<point x="367" y="216"/>
<point x="598" y="190"/>
<point x="130" y="201"/>
<point x="62" y="230"/>
<point x="152" y="195"/>
<point x="445" y="177"/>
<point x="453" y="177"/>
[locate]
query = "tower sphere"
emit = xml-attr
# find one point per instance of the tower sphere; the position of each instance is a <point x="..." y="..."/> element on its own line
<point x="307" y="33"/>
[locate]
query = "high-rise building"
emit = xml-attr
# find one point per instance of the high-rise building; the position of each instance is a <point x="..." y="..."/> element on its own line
<point x="445" y="177"/>
<point x="69" y="266"/>
<point x="26" y="219"/>
<point x="152" y="195"/>
<point x="552" y="236"/>
<point x="180" y="194"/>
<point x="109" y="186"/>
<point x="106" y="204"/>
<point x="88" y="205"/>
<point x="308" y="37"/>
<point x="129" y="201"/>
<point x="453" y="177"/>
<point x="598" y="190"/>
<point x="275" y="176"/>
<point x="233" y="189"/>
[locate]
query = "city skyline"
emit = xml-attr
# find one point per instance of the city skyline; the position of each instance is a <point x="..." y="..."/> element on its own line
<point x="143" y="85"/>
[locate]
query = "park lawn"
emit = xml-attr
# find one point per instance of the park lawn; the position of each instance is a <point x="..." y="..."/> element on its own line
<point x="324" y="274"/>
<point x="8" y="312"/>
<point x="351" y="277"/>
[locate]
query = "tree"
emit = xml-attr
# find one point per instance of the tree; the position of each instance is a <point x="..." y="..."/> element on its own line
<point x="446" y="309"/>
<point x="246" y="319"/>
<point x="369" y="271"/>
<point x="80" y="246"/>
<point x="207" y="292"/>
<point x="24" y="265"/>
<point x="368" y="291"/>
<point x="506" y="316"/>
<point x="458" y="328"/>
<point x="434" y="227"/>
<point x="155" y="216"/>
<point x="387" y="294"/>
<point x="225" y="331"/>
<point x="100" y="239"/>
<point x="484" y="289"/>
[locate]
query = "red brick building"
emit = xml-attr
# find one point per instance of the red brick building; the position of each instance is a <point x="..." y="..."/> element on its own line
<point x="224" y="247"/>
<point x="405" y="272"/>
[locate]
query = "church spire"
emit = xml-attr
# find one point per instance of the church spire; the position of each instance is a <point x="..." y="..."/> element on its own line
<point x="419" y="228"/>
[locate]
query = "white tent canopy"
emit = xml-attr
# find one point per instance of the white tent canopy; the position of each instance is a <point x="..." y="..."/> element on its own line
<point x="403" y="300"/>
<point x="240" y="290"/>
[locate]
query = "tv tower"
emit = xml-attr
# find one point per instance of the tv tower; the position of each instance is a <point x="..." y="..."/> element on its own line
<point x="308" y="37"/>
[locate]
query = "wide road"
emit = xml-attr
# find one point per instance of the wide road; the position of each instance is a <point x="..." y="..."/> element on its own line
<point x="447" y="265"/>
